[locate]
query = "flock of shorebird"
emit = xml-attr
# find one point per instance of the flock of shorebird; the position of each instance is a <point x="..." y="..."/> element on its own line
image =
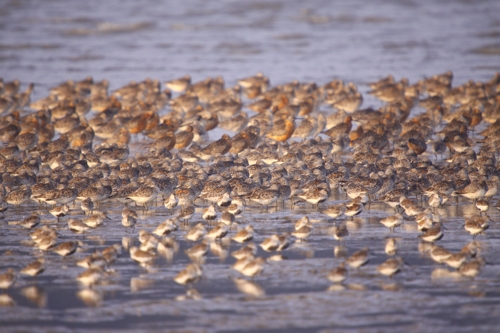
<point x="289" y="147"/>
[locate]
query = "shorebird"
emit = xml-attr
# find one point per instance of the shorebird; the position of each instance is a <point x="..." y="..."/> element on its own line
<point x="35" y="268"/>
<point x="392" y="222"/>
<point x="339" y="274"/>
<point x="191" y="274"/>
<point x="129" y="220"/>
<point x="196" y="233"/>
<point x="253" y="267"/>
<point x="391" y="266"/>
<point x="7" y="279"/>
<point x="180" y="84"/>
<point x="144" y="194"/>
<point x="209" y="214"/>
<point x="433" y="234"/>
<point x="335" y="211"/>
<point x="270" y="244"/>
<point x="140" y="256"/>
<point x="95" y="220"/>
<point x="472" y="268"/>
<point x="249" y="249"/>
<point x="439" y="254"/>
<point x="165" y="228"/>
<point x="474" y="190"/>
<point x="87" y="206"/>
<point x="186" y="213"/>
<point x="218" y="232"/>
<point x="354" y="208"/>
<point x="435" y="200"/>
<point x="77" y="226"/>
<point x="31" y="221"/>
<point x="244" y="235"/>
<point x="359" y="258"/>
<point x="60" y="211"/>
<point x="391" y="247"/>
<point x="90" y="277"/>
<point x="171" y="202"/>
<point x="282" y="129"/>
<point x="476" y="225"/>
<point x="482" y="205"/>
<point x="65" y="249"/>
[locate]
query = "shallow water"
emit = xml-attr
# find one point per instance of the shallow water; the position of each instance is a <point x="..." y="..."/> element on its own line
<point x="291" y="293"/>
<point x="51" y="41"/>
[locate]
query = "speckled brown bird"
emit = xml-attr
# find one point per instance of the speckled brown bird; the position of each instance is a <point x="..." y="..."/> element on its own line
<point x="9" y="132"/>
<point x="260" y="105"/>
<point x="417" y="145"/>
<point x="219" y="147"/>
<point x="239" y="143"/>
<point x="342" y="128"/>
<point x="167" y="141"/>
<point x="179" y="84"/>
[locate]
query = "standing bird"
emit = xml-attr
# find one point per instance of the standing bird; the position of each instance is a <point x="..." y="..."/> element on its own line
<point x="433" y="234"/>
<point x="31" y="221"/>
<point x="19" y="196"/>
<point x="438" y="147"/>
<point x="129" y="218"/>
<point x="244" y="235"/>
<point x="218" y="232"/>
<point x="186" y="213"/>
<point x="340" y="129"/>
<point x="65" y="249"/>
<point x="335" y="211"/>
<point x="282" y="129"/>
<point x="476" y="225"/>
<point x="253" y="267"/>
<point x="435" y="200"/>
<point x="392" y="221"/>
<point x="482" y="205"/>
<point x="390" y="267"/>
<point x="340" y="232"/>
<point x="179" y="84"/>
<point x="87" y="206"/>
<point x="217" y="148"/>
<point x="224" y="201"/>
<point x="7" y="279"/>
<point x="35" y="268"/>
<point x="349" y="103"/>
<point x="339" y="274"/>
<point x="171" y="202"/>
<point x="184" y="138"/>
<point x="140" y="256"/>
<point x="391" y="247"/>
<point x="165" y="228"/>
<point x="145" y="194"/>
<point x="359" y="258"/>
<point x="59" y="211"/>
<point x="209" y="213"/>
<point x="472" y="268"/>
<point x="417" y="145"/>
<point x="191" y="274"/>
<point x="196" y="233"/>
